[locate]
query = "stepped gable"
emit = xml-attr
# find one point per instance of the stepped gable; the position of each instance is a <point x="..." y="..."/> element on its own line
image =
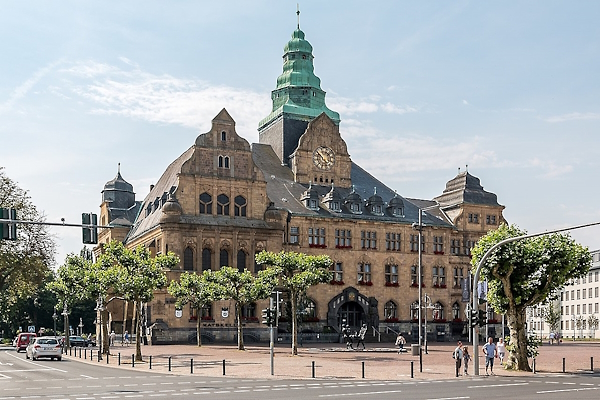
<point x="465" y="188"/>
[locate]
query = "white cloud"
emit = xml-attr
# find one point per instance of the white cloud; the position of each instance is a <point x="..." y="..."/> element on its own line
<point x="466" y="103"/>
<point x="372" y="104"/>
<point x="551" y="169"/>
<point x="394" y="109"/>
<point x="573" y="117"/>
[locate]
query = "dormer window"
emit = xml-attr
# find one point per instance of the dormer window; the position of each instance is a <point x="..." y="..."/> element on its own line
<point x="335" y="206"/>
<point x="312" y="203"/>
<point x="398" y="212"/>
<point x="355" y="208"/>
<point x="223" y="136"/>
<point x="376" y="209"/>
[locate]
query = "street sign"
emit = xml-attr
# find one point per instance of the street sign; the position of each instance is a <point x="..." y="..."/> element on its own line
<point x="31" y="329"/>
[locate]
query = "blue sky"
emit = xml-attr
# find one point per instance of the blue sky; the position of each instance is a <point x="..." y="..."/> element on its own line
<point x="510" y="88"/>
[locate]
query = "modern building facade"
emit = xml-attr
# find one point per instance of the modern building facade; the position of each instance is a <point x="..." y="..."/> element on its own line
<point x="223" y="201"/>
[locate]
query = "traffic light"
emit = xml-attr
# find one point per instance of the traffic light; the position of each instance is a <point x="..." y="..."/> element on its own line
<point x="482" y="318"/>
<point x="472" y="318"/>
<point x="267" y="316"/>
<point x="90" y="235"/>
<point x="8" y="230"/>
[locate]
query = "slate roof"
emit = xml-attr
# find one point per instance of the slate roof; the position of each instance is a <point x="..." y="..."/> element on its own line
<point x="286" y="194"/>
<point x="466" y="188"/>
<point x="124" y="217"/>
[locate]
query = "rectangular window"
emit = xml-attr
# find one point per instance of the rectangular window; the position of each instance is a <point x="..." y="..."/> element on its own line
<point x="572" y="295"/>
<point x="572" y="309"/>
<point x="392" y="241"/>
<point x="562" y="296"/>
<point x="413" y="276"/>
<point x="596" y="276"/>
<point x="584" y="292"/>
<point x="578" y="294"/>
<point x="469" y="244"/>
<point x="438" y="245"/>
<point x="584" y="279"/>
<point x="316" y="237"/>
<point x="458" y="277"/>
<point x="566" y="325"/>
<point x="566" y="310"/>
<point x="343" y="239"/>
<point x="583" y="307"/>
<point x="439" y="276"/>
<point x="490" y="219"/>
<point x="474" y="218"/>
<point x="595" y="307"/>
<point x="578" y="309"/>
<point x="414" y="243"/>
<point x="294" y="234"/>
<point x="364" y="273"/>
<point x="368" y="240"/>
<point x="455" y="246"/>
<point x="590" y="293"/>
<point x="338" y="272"/>
<point x="391" y="275"/>
<point x="567" y="295"/>
<point x="596" y="292"/>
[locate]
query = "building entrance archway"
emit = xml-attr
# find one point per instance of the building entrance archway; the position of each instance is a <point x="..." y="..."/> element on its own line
<point x="354" y="307"/>
<point x="352" y="313"/>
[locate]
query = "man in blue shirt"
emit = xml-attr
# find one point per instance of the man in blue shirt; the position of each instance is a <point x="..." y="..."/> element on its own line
<point x="490" y="351"/>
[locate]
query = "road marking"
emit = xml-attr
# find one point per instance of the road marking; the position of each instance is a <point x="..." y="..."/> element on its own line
<point x="36" y="364"/>
<point x="568" y="390"/>
<point x="568" y="383"/>
<point x="501" y="385"/>
<point x="451" y="398"/>
<point x="358" y="394"/>
<point x="88" y="377"/>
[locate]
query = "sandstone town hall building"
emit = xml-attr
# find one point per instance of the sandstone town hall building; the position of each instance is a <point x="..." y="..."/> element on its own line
<point x="223" y="201"/>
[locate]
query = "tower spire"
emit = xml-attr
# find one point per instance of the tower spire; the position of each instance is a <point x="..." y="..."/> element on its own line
<point x="298" y="14"/>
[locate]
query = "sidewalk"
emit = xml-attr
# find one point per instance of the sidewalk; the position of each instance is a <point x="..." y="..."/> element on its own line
<point x="333" y="361"/>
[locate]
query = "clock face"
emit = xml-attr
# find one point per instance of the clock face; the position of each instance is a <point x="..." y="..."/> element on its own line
<point x="323" y="157"/>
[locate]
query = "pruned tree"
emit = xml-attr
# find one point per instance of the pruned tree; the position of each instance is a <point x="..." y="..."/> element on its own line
<point x="197" y="290"/>
<point x="525" y="273"/>
<point x="243" y="288"/>
<point x="25" y="262"/>
<point x="99" y="282"/>
<point x="297" y="272"/>
<point x="551" y="316"/>
<point x="593" y="324"/>
<point x="138" y="276"/>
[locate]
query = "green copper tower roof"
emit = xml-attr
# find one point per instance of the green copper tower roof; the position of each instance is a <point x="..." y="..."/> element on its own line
<point x="298" y="94"/>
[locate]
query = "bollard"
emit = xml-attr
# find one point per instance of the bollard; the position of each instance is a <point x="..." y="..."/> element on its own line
<point x="85" y="354"/>
<point x="132" y="360"/>
<point x="534" y="365"/>
<point x="169" y="363"/>
<point x="191" y="366"/>
<point x="107" y="357"/>
<point x="412" y="369"/>
<point x="592" y="363"/>
<point x="79" y="352"/>
<point x="563" y="365"/>
<point x="70" y="350"/>
<point x="91" y="355"/>
<point x="420" y="359"/>
<point x="150" y="363"/>
<point x="223" y="367"/>
<point x="363" y="370"/>
<point x="119" y="358"/>
<point x="99" y="356"/>
<point x="313" y="369"/>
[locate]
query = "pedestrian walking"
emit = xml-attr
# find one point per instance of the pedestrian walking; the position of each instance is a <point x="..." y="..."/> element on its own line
<point x="400" y="342"/>
<point x="112" y="338"/>
<point x="490" y="351"/>
<point x="126" y="338"/>
<point x="501" y="347"/>
<point x="458" y="356"/>
<point x="466" y="359"/>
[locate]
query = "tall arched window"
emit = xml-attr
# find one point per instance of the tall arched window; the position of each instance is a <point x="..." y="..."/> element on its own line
<point x="414" y="310"/>
<point x="390" y="310"/>
<point x="223" y="136"/>
<point x="206" y="259"/>
<point x="455" y="311"/>
<point x="223" y="258"/>
<point x="188" y="259"/>
<point x="222" y="204"/>
<point x="438" y="312"/>
<point x="226" y="162"/>
<point x="240" y="206"/>
<point x="220" y="161"/>
<point x="310" y="309"/>
<point x="205" y="205"/>
<point x="241" y="260"/>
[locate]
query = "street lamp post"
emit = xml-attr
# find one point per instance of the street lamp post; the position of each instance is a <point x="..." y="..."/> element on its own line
<point x="54" y="317"/>
<point x="65" y="315"/>
<point x="100" y="308"/>
<point x="80" y="326"/>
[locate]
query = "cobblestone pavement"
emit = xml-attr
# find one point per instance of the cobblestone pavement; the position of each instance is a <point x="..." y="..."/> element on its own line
<point x="381" y="361"/>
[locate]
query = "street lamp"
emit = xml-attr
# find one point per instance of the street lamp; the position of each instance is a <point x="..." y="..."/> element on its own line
<point x="65" y="314"/>
<point x="54" y="317"/>
<point x="100" y="308"/>
<point x="80" y="326"/>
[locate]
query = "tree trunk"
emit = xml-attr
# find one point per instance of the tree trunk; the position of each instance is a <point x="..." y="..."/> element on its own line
<point x="199" y="326"/>
<point x="294" y="299"/>
<point x="134" y="319"/>
<point x="138" y="336"/>
<point x="517" y="356"/>
<point x="105" y="337"/>
<point x="124" y="322"/>
<point x="238" y="312"/>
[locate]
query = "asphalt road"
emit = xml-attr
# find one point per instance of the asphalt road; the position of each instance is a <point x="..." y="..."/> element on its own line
<point x="73" y="380"/>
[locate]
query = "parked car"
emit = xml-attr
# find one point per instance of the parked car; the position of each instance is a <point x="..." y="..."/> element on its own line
<point x="77" y="341"/>
<point x="44" y="346"/>
<point x="23" y="340"/>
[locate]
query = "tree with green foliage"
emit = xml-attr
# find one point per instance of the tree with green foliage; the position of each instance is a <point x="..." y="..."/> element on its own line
<point x="297" y="272"/>
<point x="551" y="316"/>
<point x="243" y="288"/>
<point x="25" y="262"/>
<point x="69" y="286"/>
<point x="525" y="273"/>
<point x="593" y="324"/>
<point x="138" y="276"/>
<point x="197" y="290"/>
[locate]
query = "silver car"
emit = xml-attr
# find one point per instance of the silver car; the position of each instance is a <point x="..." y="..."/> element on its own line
<point x="44" y="346"/>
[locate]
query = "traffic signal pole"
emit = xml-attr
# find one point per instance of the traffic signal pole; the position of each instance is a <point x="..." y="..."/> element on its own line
<point x="272" y="336"/>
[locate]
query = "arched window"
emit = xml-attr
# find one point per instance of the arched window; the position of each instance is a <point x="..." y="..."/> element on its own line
<point x="414" y="310"/>
<point x="206" y="259"/>
<point x="249" y="312"/>
<point x="310" y="309"/>
<point x="220" y="161"/>
<point x="207" y="312"/>
<point x="223" y="136"/>
<point x="188" y="259"/>
<point x="241" y="260"/>
<point x="223" y="258"/>
<point x="438" y="312"/>
<point x="390" y="310"/>
<point x="205" y="203"/>
<point x="226" y="162"/>
<point x="455" y="311"/>
<point x="222" y="204"/>
<point x="240" y="206"/>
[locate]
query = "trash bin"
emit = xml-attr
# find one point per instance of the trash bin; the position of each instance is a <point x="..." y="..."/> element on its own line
<point x="414" y="349"/>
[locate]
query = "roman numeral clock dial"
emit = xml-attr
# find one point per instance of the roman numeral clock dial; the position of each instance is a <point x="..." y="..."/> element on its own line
<point x="323" y="158"/>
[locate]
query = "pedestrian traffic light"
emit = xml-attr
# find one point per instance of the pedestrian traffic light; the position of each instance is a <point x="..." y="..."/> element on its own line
<point x="482" y="318"/>
<point x="90" y="234"/>
<point x="8" y="230"/>
<point x="472" y="319"/>
<point x="267" y="316"/>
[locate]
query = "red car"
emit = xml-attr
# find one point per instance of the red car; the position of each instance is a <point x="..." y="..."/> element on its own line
<point x="23" y="340"/>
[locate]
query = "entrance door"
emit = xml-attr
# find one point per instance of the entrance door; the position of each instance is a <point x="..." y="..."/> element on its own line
<point x="352" y="312"/>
